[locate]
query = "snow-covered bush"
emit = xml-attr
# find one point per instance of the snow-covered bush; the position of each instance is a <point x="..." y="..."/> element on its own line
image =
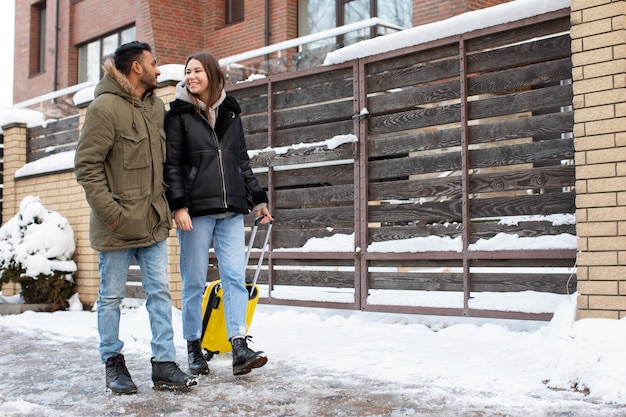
<point x="36" y="247"/>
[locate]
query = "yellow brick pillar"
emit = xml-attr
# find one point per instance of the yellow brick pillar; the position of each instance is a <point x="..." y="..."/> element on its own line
<point x="14" y="158"/>
<point x="86" y="258"/>
<point x="599" y="84"/>
<point x="167" y="92"/>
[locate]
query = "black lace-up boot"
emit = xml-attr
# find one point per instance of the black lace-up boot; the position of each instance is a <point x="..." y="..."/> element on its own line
<point x="197" y="364"/>
<point x="244" y="358"/>
<point x="118" y="378"/>
<point x="167" y="375"/>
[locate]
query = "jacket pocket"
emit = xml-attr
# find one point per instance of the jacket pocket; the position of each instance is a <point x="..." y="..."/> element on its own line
<point x="134" y="219"/>
<point x="163" y="143"/>
<point x="136" y="150"/>
<point x="191" y="178"/>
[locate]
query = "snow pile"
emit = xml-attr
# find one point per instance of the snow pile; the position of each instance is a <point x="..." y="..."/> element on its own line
<point x="38" y="240"/>
<point x="595" y="360"/>
<point x="26" y="116"/>
<point x="54" y="163"/>
<point x="331" y="143"/>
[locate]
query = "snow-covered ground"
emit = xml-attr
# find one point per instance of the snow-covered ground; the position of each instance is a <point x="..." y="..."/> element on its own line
<point x="443" y="364"/>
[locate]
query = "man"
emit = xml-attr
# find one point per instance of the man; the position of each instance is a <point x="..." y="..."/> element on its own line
<point x="119" y="163"/>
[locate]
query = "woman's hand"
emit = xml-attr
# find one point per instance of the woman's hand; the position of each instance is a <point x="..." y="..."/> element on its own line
<point x="265" y="214"/>
<point x="183" y="219"/>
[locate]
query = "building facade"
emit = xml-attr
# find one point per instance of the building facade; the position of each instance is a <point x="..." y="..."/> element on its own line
<point x="60" y="43"/>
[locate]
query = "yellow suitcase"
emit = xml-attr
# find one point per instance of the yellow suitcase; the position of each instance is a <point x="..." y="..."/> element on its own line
<point x="214" y="339"/>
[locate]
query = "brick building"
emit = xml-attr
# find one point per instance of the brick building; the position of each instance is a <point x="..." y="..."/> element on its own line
<point x="60" y="43"/>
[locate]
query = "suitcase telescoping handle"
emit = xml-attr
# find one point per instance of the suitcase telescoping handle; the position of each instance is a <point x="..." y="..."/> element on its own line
<point x="263" y="248"/>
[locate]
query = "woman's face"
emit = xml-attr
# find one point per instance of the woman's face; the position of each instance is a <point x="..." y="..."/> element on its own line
<point x="196" y="78"/>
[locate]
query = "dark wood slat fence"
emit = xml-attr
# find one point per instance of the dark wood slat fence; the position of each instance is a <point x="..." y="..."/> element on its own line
<point x="55" y="137"/>
<point x="462" y="133"/>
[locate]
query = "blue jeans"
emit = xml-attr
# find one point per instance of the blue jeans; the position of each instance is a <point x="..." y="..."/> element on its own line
<point x="113" y="268"/>
<point x="228" y="239"/>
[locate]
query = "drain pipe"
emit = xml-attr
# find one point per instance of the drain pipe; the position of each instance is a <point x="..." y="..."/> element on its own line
<point x="266" y="41"/>
<point x="57" y="28"/>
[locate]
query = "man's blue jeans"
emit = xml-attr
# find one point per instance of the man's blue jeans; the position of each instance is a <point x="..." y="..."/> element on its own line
<point x="228" y="237"/>
<point x="113" y="268"/>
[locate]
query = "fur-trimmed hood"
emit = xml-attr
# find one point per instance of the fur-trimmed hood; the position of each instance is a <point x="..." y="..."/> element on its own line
<point x="184" y="104"/>
<point x="183" y="94"/>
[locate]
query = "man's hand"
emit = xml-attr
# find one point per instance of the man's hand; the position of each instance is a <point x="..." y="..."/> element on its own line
<point x="112" y="225"/>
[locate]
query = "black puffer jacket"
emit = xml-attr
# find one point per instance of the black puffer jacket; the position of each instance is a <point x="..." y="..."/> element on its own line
<point x="208" y="170"/>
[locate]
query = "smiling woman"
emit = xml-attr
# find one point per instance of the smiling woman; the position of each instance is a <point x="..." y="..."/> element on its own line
<point x="7" y="24"/>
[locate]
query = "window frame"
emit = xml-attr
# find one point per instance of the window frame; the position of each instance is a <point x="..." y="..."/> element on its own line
<point x="83" y="66"/>
<point x="37" y="58"/>
<point x="373" y="8"/>
<point x="233" y="11"/>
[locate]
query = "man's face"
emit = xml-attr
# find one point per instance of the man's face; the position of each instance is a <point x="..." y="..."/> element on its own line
<point x="150" y="71"/>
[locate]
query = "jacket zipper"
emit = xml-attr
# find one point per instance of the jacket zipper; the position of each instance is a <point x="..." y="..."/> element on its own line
<point x="219" y="160"/>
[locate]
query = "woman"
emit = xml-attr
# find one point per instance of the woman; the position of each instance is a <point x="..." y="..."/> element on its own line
<point x="208" y="171"/>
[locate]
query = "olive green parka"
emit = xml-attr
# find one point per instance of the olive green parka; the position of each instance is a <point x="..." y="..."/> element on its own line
<point x="119" y="163"/>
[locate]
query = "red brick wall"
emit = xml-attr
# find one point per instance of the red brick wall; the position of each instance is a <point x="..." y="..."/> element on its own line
<point x="94" y="18"/>
<point x="24" y="82"/>
<point x="250" y="33"/>
<point x="179" y="29"/>
<point x="283" y="20"/>
<point x="175" y="29"/>
<point x="428" y="11"/>
<point x="237" y="37"/>
<point x="67" y="71"/>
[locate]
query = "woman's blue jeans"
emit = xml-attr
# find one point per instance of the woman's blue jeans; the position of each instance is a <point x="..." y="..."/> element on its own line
<point x="113" y="268"/>
<point x="228" y="237"/>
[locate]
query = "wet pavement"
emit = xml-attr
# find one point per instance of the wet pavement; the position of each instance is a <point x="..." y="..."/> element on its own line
<point x="49" y="377"/>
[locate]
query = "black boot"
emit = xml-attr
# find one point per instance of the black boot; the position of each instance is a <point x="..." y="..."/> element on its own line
<point x="118" y="378"/>
<point x="167" y="375"/>
<point x="245" y="359"/>
<point x="197" y="364"/>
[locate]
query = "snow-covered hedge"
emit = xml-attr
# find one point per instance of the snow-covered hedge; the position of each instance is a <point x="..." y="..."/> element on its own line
<point x="36" y="247"/>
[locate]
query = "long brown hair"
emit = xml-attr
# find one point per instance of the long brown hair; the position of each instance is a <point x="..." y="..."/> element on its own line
<point x="214" y="72"/>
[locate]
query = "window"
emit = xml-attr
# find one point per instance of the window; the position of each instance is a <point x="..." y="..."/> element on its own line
<point x="37" y="58"/>
<point x="90" y="55"/>
<point x="234" y="11"/>
<point x="318" y="15"/>
<point x="398" y="12"/>
<point x="352" y="11"/>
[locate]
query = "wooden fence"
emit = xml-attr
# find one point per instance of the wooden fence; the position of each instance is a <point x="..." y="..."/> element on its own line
<point x="55" y="137"/>
<point x="398" y="180"/>
<point x="460" y="143"/>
